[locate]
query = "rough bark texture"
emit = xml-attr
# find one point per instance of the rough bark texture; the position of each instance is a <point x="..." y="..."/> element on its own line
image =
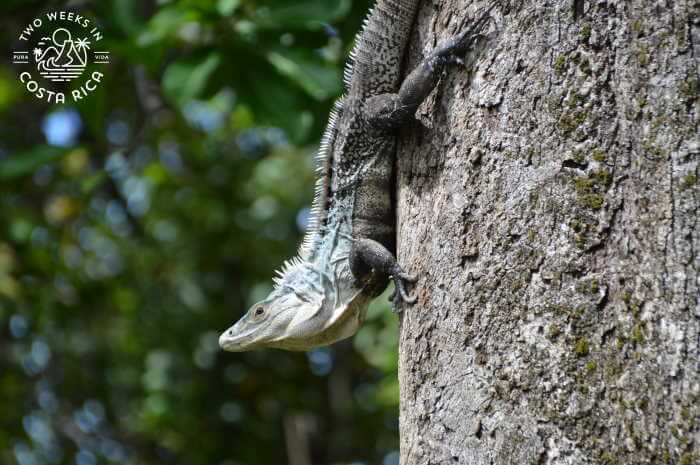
<point x="548" y="198"/>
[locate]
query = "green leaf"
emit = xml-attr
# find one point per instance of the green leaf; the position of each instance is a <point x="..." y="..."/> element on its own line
<point x="21" y="164"/>
<point x="92" y="182"/>
<point x="184" y="80"/>
<point x="21" y="229"/>
<point x="8" y="88"/>
<point x="309" y="14"/>
<point x="227" y="7"/>
<point x="124" y="14"/>
<point x="275" y="105"/>
<point x="318" y="81"/>
<point x="166" y="22"/>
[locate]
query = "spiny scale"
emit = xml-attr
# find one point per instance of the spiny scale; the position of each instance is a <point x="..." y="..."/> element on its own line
<point x="347" y="74"/>
<point x="319" y="206"/>
<point x="375" y="61"/>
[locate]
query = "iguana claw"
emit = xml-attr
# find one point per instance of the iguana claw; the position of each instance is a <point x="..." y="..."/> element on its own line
<point x="400" y="294"/>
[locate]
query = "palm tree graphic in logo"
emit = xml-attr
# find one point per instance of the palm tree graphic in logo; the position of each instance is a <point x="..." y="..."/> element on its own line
<point x="59" y="57"/>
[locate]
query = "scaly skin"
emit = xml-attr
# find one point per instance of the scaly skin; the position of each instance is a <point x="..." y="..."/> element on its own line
<point x="348" y="256"/>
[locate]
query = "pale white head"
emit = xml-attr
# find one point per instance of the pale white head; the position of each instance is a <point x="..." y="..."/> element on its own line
<point x="283" y="320"/>
<point x="306" y="309"/>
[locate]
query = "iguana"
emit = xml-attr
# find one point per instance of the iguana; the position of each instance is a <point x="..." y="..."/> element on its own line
<point x="347" y="256"/>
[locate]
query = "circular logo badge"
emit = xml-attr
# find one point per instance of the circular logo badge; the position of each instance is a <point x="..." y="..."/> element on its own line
<point x="56" y="49"/>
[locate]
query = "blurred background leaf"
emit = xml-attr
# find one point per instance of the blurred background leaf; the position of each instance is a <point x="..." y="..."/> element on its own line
<point x="20" y="164"/>
<point x="138" y="223"/>
<point x="184" y="80"/>
<point x="296" y="14"/>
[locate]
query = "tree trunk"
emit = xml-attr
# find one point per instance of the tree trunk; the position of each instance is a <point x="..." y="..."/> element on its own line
<point x="548" y="199"/>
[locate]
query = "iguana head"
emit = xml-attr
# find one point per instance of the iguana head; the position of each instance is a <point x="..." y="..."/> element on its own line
<point x="306" y="309"/>
<point x="278" y="321"/>
<point x="315" y="301"/>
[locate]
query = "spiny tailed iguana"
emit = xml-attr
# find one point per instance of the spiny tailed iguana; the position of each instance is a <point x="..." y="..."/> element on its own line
<point x="347" y="256"/>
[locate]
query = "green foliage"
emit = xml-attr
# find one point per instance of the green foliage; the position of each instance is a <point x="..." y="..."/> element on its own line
<point x="184" y="80"/>
<point x="126" y="249"/>
<point x="304" y="15"/>
<point x="20" y="164"/>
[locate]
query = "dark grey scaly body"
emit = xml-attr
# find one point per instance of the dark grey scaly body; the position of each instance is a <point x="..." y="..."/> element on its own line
<point x="361" y="154"/>
<point x="348" y="255"/>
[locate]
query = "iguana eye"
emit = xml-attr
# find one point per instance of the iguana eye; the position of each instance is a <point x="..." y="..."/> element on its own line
<point x="258" y="312"/>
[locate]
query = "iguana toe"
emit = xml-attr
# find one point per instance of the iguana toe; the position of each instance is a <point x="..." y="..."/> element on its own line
<point x="400" y="293"/>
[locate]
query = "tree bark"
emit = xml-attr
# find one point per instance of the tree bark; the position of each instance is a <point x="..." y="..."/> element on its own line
<point x="548" y="199"/>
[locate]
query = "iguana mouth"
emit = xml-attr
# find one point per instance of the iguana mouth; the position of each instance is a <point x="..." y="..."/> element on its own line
<point x="227" y="342"/>
<point x="234" y="343"/>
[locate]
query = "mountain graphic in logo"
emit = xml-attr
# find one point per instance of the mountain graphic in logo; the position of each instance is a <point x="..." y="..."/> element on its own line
<point x="59" y="58"/>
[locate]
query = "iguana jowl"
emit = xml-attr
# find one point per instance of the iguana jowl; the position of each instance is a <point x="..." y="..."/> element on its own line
<point x="347" y="257"/>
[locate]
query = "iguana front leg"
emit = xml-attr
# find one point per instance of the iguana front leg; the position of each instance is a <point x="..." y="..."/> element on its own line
<point x="367" y="255"/>
<point x="390" y="111"/>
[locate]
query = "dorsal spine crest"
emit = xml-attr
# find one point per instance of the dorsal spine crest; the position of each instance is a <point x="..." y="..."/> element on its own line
<point x="319" y="206"/>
